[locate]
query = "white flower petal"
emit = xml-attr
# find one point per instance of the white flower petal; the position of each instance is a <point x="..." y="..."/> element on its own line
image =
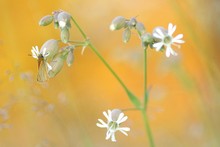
<point x="35" y="57"/>
<point x="113" y="137"/>
<point x="172" y="52"/>
<point x="124" y="129"/>
<point x="125" y="133"/>
<point x="121" y="115"/>
<point x="103" y="123"/>
<point x="170" y="32"/>
<point x="100" y="125"/>
<point x="44" y="51"/>
<point x="108" y="135"/>
<point x="160" y="32"/>
<point x="106" y="115"/>
<point x="170" y="26"/>
<point x="122" y="120"/>
<point x="158" y="45"/>
<point x="33" y="53"/>
<point x="168" y="51"/>
<point x="110" y="115"/>
<point x="178" y="41"/>
<point x="36" y="49"/>
<point x="180" y="36"/>
<point x="157" y="36"/>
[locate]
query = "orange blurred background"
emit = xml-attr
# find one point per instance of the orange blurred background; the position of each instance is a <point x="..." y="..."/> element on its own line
<point x="184" y="103"/>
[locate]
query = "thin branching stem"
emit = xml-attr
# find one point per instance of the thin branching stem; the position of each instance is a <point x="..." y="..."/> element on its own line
<point x="132" y="98"/>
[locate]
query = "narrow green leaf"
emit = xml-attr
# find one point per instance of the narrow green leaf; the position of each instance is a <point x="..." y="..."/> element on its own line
<point x="133" y="99"/>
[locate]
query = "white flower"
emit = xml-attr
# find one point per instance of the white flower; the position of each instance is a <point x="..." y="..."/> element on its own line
<point x="40" y="55"/>
<point x="114" y="120"/>
<point x="166" y="39"/>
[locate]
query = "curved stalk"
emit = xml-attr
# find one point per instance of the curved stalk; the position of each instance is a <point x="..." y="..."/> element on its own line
<point x="131" y="96"/>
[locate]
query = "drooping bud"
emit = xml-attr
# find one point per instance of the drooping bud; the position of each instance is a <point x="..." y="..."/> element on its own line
<point x="65" y="35"/>
<point x="46" y="20"/>
<point x="51" y="48"/>
<point x="146" y="39"/>
<point x="117" y="23"/>
<point x="70" y="58"/>
<point x="63" y="19"/>
<point x="115" y="114"/>
<point x="132" y="23"/>
<point x="126" y="35"/>
<point x="55" y="15"/>
<point x="140" y="28"/>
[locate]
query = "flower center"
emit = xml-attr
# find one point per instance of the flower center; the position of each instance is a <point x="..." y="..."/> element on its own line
<point x="167" y="40"/>
<point x="113" y="126"/>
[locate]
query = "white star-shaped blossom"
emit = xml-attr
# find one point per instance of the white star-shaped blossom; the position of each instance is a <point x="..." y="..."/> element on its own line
<point x="114" y="121"/>
<point x="166" y="39"/>
<point x="41" y="54"/>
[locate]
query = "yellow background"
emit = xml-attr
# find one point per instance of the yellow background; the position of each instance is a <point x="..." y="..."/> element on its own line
<point x="184" y="100"/>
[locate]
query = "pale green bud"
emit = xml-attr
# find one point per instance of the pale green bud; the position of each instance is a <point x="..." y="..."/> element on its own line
<point x="132" y="22"/>
<point x="46" y="20"/>
<point x="55" y="15"/>
<point x="115" y="114"/>
<point x="51" y="48"/>
<point x="140" y="28"/>
<point x="126" y="35"/>
<point x="117" y="23"/>
<point x="65" y="35"/>
<point x="64" y="19"/>
<point x="70" y="58"/>
<point x="147" y="39"/>
<point x="56" y="64"/>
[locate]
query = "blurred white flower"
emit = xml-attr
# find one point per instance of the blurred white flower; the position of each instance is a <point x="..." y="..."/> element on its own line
<point x="114" y="120"/>
<point x="166" y="39"/>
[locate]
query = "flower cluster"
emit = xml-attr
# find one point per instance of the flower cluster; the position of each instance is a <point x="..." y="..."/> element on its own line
<point x="159" y="40"/>
<point x="61" y="20"/>
<point x="114" y="120"/>
<point x="50" y="57"/>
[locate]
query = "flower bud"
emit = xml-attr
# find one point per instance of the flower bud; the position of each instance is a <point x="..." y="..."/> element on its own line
<point x="63" y="19"/>
<point x="51" y="48"/>
<point x="146" y="39"/>
<point x="140" y="28"/>
<point x="132" y="23"/>
<point x="55" y="15"/>
<point x="65" y="35"/>
<point x="115" y="114"/>
<point x="56" y="64"/>
<point x="46" y="20"/>
<point x="126" y="35"/>
<point x="117" y="23"/>
<point x="70" y="58"/>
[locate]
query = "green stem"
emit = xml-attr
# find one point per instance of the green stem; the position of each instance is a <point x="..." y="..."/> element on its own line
<point x="147" y="128"/>
<point x="145" y="79"/>
<point x="131" y="96"/>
